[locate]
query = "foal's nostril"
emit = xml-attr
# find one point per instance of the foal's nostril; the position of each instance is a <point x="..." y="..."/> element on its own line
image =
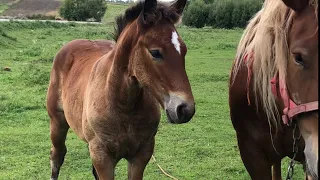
<point x="181" y="110"/>
<point x="178" y="110"/>
<point x="185" y="112"/>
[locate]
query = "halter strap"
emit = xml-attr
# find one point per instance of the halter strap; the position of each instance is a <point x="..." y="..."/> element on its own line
<point x="291" y="109"/>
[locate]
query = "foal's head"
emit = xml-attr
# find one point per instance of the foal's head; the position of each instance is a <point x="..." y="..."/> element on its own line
<point x="156" y="53"/>
<point x="302" y="72"/>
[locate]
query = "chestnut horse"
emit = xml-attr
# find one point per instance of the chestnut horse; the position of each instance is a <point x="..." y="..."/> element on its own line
<point x="110" y="93"/>
<point x="275" y="74"/>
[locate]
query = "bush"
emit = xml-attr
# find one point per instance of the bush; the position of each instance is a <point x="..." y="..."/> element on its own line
<point x="82" y="10"/>
<point x="249" y="9"/>
<point x="196" y="14"/>
<point x="209" y="1"/>
<point x="41" y="17"/>
<point x="221" y="13"/>
<point x="236" y="18"/>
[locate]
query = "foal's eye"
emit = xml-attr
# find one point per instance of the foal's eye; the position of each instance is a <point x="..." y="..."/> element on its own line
<point x="298" y="58"/>
<point x="156" y="54"/>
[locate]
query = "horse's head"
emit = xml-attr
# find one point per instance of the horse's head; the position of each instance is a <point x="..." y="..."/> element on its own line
<point x="302" y="73"/>
<point x="157" y="56"/>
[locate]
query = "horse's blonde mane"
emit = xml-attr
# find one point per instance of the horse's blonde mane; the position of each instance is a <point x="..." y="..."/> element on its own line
<point x="266" y="37"/>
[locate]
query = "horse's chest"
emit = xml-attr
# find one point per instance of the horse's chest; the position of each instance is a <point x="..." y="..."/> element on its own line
<point x="124" y="137"/>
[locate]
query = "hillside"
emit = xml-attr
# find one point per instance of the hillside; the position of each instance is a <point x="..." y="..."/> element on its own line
<point x="16" y="8"/>
<point x="32" y="7"/>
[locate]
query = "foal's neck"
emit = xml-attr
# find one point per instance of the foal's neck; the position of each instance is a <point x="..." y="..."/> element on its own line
<point x="122" y="85"/>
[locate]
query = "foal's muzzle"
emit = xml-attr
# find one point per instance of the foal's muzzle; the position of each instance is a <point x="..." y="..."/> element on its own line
<point x="178" y="111"/>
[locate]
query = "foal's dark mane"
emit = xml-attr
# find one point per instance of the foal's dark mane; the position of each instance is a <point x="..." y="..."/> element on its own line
<point x="163" y="11"/>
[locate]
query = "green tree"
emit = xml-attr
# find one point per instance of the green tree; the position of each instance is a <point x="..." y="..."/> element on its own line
<point x="224" y="13"/>
<point x="81" y="10"/>
<point x="223" y="18"/>
<point x="196" y="15"/>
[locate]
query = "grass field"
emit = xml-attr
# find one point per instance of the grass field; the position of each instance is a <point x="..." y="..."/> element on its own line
<point x="113" y="9"/>
<point x="205" y="148"/>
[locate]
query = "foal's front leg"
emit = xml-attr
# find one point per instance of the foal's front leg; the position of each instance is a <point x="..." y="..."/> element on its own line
<point x="137" y="164"/>
<point x="103" y="164"/>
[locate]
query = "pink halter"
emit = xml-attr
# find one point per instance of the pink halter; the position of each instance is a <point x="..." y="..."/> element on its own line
<point x="291" y="109"/>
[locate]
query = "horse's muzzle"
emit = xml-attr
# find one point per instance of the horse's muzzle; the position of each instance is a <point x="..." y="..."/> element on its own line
<point x="311" y="154"/>
<point x="179" y="111"/>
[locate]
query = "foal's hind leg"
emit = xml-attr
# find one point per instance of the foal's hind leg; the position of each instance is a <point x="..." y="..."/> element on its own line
<point x="94" y="171"/>
<point x="137" y="165"/>
<point x="58" y="132"/>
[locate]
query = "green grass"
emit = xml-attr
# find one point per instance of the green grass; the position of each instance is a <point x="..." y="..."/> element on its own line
<point x="205" y="148"/>
<point x="3" y="7"/>
<point x="113" y="10"/>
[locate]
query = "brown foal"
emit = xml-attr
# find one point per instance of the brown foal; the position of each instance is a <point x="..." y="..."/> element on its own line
<point x="110" y="93"/>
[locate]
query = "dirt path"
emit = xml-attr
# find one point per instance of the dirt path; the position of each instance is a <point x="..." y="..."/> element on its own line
<point x="32" y="7"/>
<point x="56" y="21"/>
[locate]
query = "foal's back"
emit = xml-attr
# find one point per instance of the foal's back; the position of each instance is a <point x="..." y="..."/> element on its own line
<point x="68" y="80"/>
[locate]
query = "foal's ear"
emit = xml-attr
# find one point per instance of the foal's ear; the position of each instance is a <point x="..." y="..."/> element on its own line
<point x="148" y="13"/>
<point x="178" y="6"/>
<point x="296" y="5"/>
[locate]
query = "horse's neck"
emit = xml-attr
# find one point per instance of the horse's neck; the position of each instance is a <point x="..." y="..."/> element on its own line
<point x="122" y="88"/>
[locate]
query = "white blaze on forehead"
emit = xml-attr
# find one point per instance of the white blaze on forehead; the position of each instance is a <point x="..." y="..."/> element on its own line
<point x="175" y="41"/>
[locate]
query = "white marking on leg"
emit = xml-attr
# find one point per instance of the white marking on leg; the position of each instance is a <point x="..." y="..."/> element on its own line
<point x="175" y="41"/>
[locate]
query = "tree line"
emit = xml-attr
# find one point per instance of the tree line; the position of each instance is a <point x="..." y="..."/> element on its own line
<point x="220" y="13"/>
<point x="198" y="13"/>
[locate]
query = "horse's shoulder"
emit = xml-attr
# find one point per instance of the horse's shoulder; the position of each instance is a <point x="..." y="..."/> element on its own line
<point x="104" y="45"/>
<point x="81" y="44"/>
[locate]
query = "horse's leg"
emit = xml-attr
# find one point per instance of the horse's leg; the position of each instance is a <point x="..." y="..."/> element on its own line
<point x="103" y="164"/>
<point x="58" y="132"/>
<point x="94" y="172"/>
<point x="276" y="171"/>
<point x="137" y="165"/>
<point x="253" y="158"/>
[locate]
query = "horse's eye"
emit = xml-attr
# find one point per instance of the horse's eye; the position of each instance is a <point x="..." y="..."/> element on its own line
<point x="298" y="58"/>
<point x="156" y="54"/>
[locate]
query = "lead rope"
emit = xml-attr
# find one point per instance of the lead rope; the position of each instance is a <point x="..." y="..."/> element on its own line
<point x="292" y="163"/>
<point x="163" y="171"/>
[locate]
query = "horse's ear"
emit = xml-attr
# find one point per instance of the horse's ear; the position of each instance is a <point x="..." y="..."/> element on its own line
<point x="296" y="5"/>
<point x="178" y="6"/>
<point x="147" y="15"/>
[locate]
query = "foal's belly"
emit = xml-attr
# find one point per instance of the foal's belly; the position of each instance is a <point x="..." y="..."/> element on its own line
<point x="73" y="113"/>
<point x="73" y="97"/>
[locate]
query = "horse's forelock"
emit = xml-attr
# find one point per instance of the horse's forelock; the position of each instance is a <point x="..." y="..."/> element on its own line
<point x="163" y="11"/>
